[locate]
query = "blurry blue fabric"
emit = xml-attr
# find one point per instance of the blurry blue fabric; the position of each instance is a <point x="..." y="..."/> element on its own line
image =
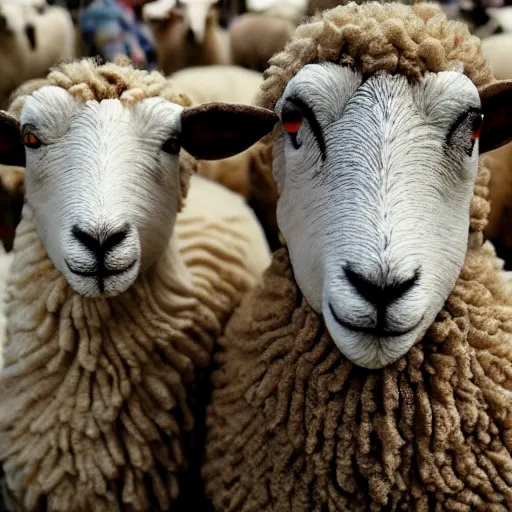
<point x="110" y="27"/>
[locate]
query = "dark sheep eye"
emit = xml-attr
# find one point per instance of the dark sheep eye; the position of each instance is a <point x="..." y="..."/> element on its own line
<point x="172" y="146"/>
<point x="292" y="118"/>
<point x="30" y="140"/>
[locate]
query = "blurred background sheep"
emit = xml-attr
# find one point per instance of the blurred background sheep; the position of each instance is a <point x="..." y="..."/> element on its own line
<point x="235" y="38"/>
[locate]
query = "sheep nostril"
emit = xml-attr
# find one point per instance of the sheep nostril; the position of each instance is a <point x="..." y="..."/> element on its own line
<point x="94" y="243"/>
<point x="114" y="239"/>
<point x="378" y="293"/>
<point x="90" y="242"/>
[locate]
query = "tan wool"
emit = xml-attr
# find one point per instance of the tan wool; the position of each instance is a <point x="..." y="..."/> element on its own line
<point x="294" y="426"/>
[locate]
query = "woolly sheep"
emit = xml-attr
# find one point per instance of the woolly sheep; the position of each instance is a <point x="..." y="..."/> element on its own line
<point x="230" y="84"/>
<point x="114" y="298"/>
<point x="31" y="42"/>
<point x="291" y="10"/>
<point x="180" y="38"/>
<point x="371" y="369"/>
<point x="254" y="38"/>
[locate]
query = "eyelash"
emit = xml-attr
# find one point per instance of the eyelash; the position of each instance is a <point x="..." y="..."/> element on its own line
<point x="293" y="114"/>
<point x="29" y="139"/>
<point x="172" y="146"/>
<point x="472" y="117"/>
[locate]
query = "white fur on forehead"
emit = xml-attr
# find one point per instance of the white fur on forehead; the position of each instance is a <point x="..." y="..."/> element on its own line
<point x="49" y="104"/>
<point x="47" y="107"/>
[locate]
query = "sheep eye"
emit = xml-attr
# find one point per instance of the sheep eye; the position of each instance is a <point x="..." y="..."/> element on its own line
<point x="478" y="122"/>
<point x="172" y="146"/>
<point x="466" y="130"/>
<point x="292" y="118"/>
<point x="31" y="141"/>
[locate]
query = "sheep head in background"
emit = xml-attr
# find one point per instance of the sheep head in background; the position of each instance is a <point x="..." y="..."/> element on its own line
<point x="15" y="18"/>
<point x="194" y="13"/>
<point x="375" y="175"/>
<point x="103" y="175"/>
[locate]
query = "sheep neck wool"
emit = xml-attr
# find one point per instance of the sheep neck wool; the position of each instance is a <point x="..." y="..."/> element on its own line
<point x="295" y="426"/>
<point x="93" y="391"/>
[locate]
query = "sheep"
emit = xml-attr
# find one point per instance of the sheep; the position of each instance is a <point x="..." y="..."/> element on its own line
<point x="226" y="83"/>
<point x="181" y="40"/>
<point x="254" y="38"/>
<point x="499" y="228"/>
<point x="54" y="40"/>
<point x="371" y="368"/>
<point x="499" y="225"/>
<point x="115" y="296"/>
<point x="291" y="10"/>
<point x="30" y="43"/>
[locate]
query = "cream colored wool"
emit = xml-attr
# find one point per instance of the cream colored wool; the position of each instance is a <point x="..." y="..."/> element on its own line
<point x="294" y="426"/>
<point x="231" y="84"/>
<point x="93" y="394"/>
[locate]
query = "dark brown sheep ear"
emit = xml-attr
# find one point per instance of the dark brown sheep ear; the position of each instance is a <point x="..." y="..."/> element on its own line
<point x="497" y="111"/>
<point x="12" y="151"/>
<point x="219" y="130"/>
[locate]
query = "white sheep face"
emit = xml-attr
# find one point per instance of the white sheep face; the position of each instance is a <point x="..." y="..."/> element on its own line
<point x="104" y="192"/>
<point x="375" y="191"/>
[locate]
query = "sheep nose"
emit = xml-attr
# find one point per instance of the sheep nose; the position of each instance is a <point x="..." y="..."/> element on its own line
<point x="100" y="245"/>
<point x="380" y="295"/>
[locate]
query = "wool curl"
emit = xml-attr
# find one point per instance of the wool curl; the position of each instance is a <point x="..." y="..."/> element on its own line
<point x="87" y="80"/>
<point x="372" y="37"/>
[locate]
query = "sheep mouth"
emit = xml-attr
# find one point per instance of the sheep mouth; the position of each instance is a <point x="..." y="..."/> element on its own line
<point x="100" y="273"/>
<point x="378" y="332"/>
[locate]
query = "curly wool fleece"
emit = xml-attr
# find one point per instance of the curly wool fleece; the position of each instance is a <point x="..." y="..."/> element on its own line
<point x="94" y="393"/>
<point x="293" y="425"/>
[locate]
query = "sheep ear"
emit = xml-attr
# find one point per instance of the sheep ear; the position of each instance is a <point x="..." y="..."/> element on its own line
<point x="496" y="101"/>
<point x="12" y="151"/>
<point x="219" y="130"/>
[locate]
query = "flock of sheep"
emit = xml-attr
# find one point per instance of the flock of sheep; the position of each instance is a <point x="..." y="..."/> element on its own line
<point x="236" y="291"/>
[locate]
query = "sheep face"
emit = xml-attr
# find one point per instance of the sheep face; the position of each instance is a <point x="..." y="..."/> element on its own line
<point x="375" y="179"/>
<point x="103" y="177"/>
<point x="102" y="184"/>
